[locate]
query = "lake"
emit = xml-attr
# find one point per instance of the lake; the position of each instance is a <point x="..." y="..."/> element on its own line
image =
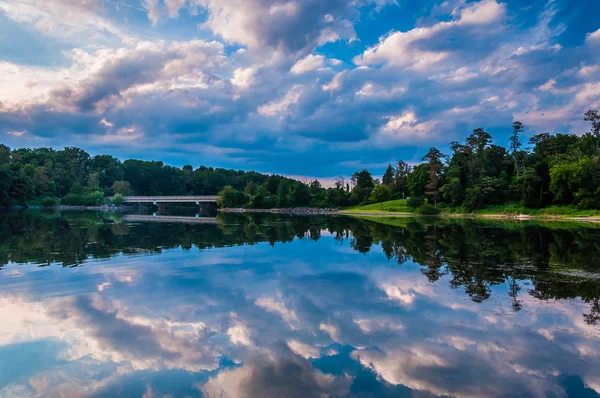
<point x="106" y="305"/>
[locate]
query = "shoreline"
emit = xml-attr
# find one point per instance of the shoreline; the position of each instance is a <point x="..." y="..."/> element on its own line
<point x="383" y="214"/>
<point x="296" y="211"/>
<point x="104" y="208"/>
<point x="512" y="217"/>
<point x="336" y="212"/>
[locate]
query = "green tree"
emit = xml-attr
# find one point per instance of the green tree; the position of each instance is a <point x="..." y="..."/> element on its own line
<point x="417" y="180"/>
<point x="434" y="165"/>
<point x="381" y="193"/>
<point x="388" y="176"/>
<point x="402" y="172"/>
<point x="121" y="187"/>
<point x="593" y="116"/>
<point x="515" y="144"/>
<point x="93" y="181"/>
<point x="117" y="199"/>
<point x="363" y="185"/>
<point x="251" y="189"/>
<point x="315" y="187"/>
<point x="283" y="192"/>
<point x="301" y="196"/>
<point x="230" y="197"/>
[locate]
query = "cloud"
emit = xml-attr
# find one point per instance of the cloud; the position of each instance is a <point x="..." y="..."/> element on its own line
<point x="594" y="37"/>
<point x="225" y="326"/>
<point x="424" y="47"/>
<point x="285" y="375"/>
<point x="17" y="133"/>
<point x="287" y="101"/>
<point x="280" y="106"/>
<point x="482" y="13"/>
<point x="280" y="24"/>
<point x="153" y="11"/>
<point x="68" y="20"/>
<point x="308" y="64"/>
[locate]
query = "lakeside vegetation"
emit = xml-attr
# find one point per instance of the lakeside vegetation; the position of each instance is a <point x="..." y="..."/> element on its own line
<point x="557" y="174"/>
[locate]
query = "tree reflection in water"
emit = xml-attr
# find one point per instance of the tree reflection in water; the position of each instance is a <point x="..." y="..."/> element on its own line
<point x="353" y="307"/>
<point x="557" y="258"/>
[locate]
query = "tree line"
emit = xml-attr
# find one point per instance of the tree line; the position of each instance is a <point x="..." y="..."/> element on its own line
<point x="554" y="169"/>
<point x="72" y="176"/>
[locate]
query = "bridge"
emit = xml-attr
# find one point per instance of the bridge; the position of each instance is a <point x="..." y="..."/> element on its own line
<point x="170" y="199"/>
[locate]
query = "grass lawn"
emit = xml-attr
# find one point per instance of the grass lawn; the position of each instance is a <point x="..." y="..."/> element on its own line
<point x="392" y="206"/>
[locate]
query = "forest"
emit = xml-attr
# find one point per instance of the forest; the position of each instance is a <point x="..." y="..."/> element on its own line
<point x="547" y="170"/>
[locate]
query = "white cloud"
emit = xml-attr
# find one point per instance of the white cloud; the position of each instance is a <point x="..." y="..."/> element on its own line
<point x="239" y="334"/>
<point x="409" y="49"/>
<point x="75" y="20"/>
<point x="309" y="63"/>
<point x="279" y="106"/>
<point x="277" y="306"/>
<point x="153" y="11"/>
<point x="406" y="128"/>
<point x="243" y="77"/>
<point x="173" y="7"/>
<point x="304" y="350"/>
<point x="17" y="133"/>
<point x="482" y="13"/>
<point x="278" y="24"/>
<point x="593" y="37"/>
<point x="396" y="50"/>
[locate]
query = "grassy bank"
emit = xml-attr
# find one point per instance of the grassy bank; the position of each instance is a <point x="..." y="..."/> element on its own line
<point x="400" y="207"/>
<point x="392" y="206"/>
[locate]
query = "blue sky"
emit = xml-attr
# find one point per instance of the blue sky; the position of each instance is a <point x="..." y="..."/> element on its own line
<point x="312" y="88"/>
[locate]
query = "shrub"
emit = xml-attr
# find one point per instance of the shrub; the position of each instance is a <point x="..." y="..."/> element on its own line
<point x="415" y="201"/>
<point x="117" y="199"/>
<point x="49" y="202"/>
<point x="428" y="210"/>
<point x="230" y="197"/>
<point x="92" y="199"/>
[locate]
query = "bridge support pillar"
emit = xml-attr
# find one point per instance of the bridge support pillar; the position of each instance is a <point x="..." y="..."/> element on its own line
<point x="162" y="207"/>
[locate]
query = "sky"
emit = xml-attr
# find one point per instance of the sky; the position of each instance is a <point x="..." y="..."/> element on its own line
<point x="310" y="88"/>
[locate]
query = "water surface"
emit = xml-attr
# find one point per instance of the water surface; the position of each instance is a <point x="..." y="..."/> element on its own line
<point x="99" y="304"/>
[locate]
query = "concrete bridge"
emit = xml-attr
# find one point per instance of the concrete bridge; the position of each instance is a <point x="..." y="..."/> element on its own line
<point x="170" y="199"/>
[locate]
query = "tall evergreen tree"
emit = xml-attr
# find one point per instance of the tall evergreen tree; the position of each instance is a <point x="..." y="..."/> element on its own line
<point x="515" y="144"/>
<point x="403" y="170"/>
<point x="388" y="176"/>
<point x="434" y="168"/>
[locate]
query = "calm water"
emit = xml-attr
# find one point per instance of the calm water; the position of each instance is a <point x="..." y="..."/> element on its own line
<point x="96" y="304"/>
